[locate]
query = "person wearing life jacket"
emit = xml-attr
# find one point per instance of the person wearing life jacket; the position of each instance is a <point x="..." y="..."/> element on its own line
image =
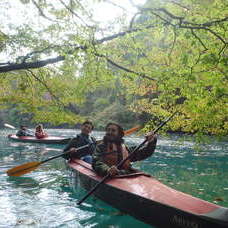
<point x="112" y="151"/>
<point x="39" y="132"/>
<point x="81" y="139"/>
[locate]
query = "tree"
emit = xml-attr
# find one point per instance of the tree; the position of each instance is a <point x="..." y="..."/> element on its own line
<point x="171" y="55"/>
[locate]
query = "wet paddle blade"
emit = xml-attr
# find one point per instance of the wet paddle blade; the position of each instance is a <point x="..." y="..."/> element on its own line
<point x="9" y="126"/>
<point x="23" y="169"/>
<point x="132" y="130"/>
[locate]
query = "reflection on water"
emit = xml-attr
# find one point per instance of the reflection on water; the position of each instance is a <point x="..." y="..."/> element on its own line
<point x="46" y="197"/>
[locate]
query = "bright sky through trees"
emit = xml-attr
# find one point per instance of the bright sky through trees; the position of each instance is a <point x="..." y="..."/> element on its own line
<point x="104" y="14"/>
<point x="170" y="54"/>
<point x="107" y="11"/>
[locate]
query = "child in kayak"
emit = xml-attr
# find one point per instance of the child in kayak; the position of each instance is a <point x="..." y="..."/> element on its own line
<point x="40" y="133"/>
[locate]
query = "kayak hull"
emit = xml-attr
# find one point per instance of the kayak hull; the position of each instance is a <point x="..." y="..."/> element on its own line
<point x="47" y="140"/>
<point x="152" y="202"/>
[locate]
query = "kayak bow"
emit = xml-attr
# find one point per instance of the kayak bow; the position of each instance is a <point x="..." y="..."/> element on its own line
<point x="151" y="201"/>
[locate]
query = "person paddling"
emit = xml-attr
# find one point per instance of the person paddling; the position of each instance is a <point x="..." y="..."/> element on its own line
<point x="24" y="131"/>
<point x="113" y="150"/>
<point x="81" y="139"/>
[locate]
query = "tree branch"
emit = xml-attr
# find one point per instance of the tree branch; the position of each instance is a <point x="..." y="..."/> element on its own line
<point x="180" y="5"/>
<point x="47" y="88"/>
<point x="121" y="34"/>
<point x="73" y="13"/>
<point x="187" y="23"/>
<point x="201" y="42"/>
<point x="197" y="61"/>
<point x="29" y="55"/>
<point x="182" y="24"/>
<point x="174" y="42"/>
<point x="114" y="4"/>
<point x="42" y="13"/>
<point x="31" y="65"/>
<point x="142" y="75"/>
<point x="42" y="63"/>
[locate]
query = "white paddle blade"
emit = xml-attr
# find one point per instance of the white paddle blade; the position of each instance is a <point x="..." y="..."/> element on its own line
<point x="9" y="126"/>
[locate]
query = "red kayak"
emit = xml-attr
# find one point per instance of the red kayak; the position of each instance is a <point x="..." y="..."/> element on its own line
<point x="47" y="140"/>
<point x="145" y="198"/>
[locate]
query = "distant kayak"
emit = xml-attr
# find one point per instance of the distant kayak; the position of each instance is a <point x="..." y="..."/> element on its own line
<point x="47" y="140"/>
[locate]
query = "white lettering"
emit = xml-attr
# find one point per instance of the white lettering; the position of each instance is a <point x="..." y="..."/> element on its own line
<point x="185" y="223"/>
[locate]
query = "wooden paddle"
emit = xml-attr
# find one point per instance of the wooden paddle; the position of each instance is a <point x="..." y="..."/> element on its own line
<point x="123" y="161"/>
<point x="127" y="132"/>
<point x="132" y="130"/>
<point x="30" y="166"/>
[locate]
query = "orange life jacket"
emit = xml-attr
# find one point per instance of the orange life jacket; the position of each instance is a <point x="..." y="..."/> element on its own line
<point x="40" y="134"/>
<point x="112" y="155"/>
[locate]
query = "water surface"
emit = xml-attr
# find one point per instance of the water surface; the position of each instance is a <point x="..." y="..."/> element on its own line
<point x="46" y="197"/>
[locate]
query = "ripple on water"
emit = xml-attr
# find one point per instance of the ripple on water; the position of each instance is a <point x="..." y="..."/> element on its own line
<point x="43" y="198"/>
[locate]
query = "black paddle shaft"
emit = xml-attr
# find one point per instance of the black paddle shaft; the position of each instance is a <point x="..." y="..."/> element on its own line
<point x="60" y="155"/>
<point x="123" y="161"/>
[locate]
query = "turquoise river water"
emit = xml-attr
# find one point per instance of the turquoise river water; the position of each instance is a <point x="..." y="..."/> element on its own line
<point x="46" y="197"/>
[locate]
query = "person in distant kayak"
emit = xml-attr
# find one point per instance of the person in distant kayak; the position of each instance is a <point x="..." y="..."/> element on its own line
<point x="24" y="131"/>
<point x="39" y="132"/>
<point x="81" y="139"/>
<point x="112" y="151"/>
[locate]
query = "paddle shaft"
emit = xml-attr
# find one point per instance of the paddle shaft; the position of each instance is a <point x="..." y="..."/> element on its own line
<point x="123" y="161"/>
<point x="12" y="127"/>
<point x="28" y="167"/>
<point x="140" y="145"/>
<point x="60" y="155"/>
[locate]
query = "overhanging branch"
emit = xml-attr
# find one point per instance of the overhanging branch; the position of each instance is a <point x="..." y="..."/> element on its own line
<point x="42" y="63"/>
<point x="41" y="12"/>
<point x="181" y="24"/>
<point x="124" y="68"/>
<point x="31" y="65"/>
<point x="47" y="88"/>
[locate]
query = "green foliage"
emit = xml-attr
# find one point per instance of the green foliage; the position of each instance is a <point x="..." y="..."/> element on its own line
<point x="114" y="113"/>
<point x="175" y="59"/>
<point x="100" y="104"/>
<point x="3" y="39"/>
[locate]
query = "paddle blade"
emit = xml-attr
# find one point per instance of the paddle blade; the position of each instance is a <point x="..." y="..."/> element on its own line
<point x="127" y="132"/>
<point x="23" y="169"/>
<point x="9" y="126"/>
<point x="132" y="130"/>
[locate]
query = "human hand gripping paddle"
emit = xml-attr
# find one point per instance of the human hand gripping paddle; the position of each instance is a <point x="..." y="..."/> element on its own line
<point x="123" y="161"/>
<point x="30" y="166"/>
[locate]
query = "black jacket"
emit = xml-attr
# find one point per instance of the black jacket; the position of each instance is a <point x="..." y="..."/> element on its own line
<point x="78" y="141"/>
<point x="24" y="133"/>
